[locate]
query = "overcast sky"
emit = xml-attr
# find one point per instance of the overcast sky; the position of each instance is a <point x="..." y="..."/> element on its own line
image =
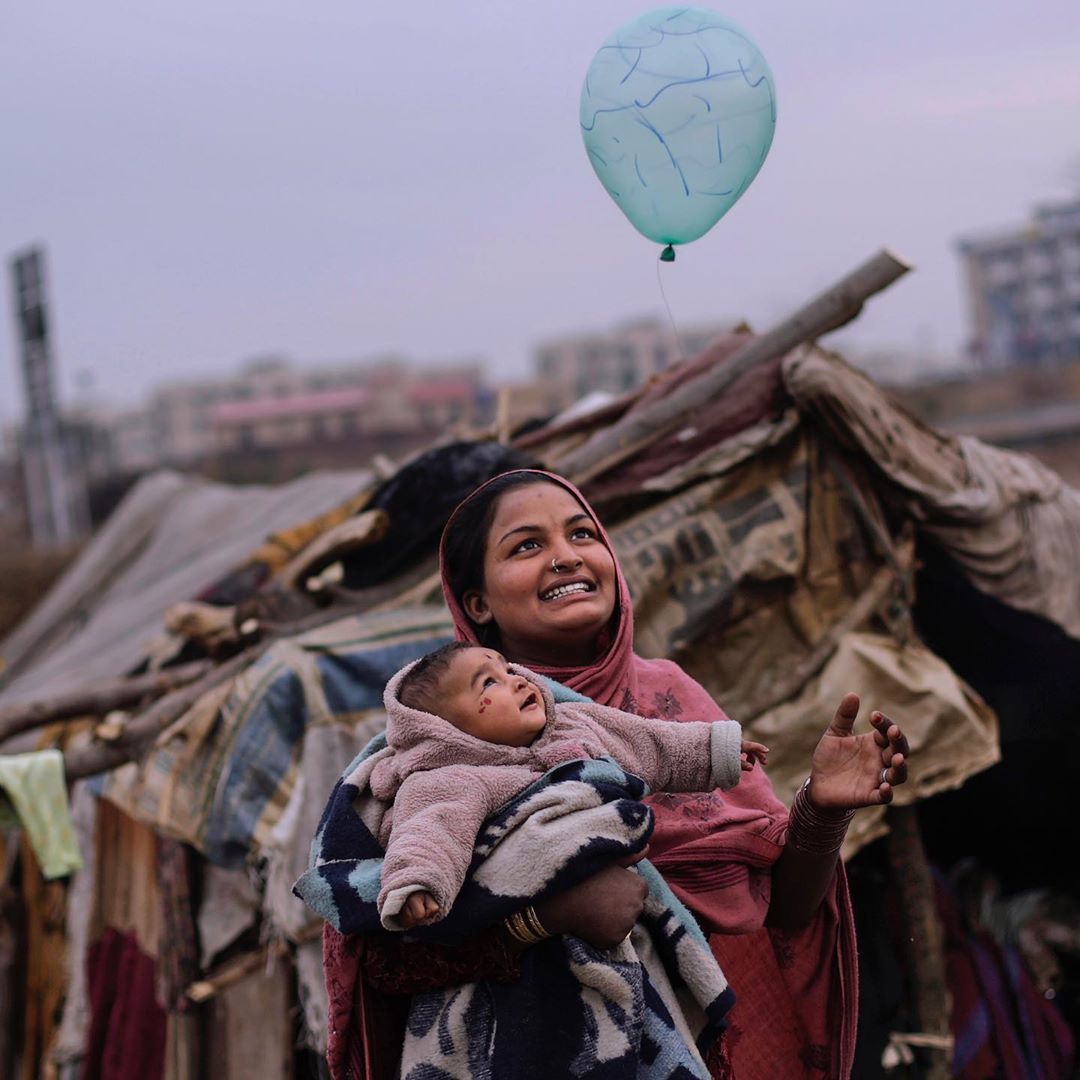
<point x="214" y="181"/>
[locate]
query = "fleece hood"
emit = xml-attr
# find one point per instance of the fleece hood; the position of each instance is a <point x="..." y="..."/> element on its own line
<point x="421" y="740"/>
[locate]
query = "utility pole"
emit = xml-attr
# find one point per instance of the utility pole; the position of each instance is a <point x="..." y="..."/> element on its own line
<point x="55" y="494"/>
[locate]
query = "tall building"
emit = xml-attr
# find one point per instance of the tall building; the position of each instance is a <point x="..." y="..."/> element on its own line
<point x="616" y="360"/>
<point x="1024" y="290"/>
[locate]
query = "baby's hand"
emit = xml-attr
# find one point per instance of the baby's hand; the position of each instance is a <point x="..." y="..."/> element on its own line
<point x="753" y="752"/>
<point x="420" y="908"/>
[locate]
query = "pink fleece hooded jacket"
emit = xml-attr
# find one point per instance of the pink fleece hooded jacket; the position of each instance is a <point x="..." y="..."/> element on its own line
<point x="444" y="783"/>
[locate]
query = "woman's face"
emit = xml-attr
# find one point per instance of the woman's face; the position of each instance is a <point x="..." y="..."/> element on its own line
<point x="549" y="581"/>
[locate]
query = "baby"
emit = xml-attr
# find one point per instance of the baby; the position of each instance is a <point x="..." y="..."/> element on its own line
<point x="470" y="731"/>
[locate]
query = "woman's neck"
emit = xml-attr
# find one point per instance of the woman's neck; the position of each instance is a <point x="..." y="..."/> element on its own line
<point x="561" y="654"/>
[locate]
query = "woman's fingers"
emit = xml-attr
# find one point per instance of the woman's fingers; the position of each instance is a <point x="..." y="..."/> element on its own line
<point x="894" y="748"/>
<point x="844" y="721"/>
<point x="883" y="796"/>
<point x="898" y="740"/>
<point x="895" y="771"/>
<point x="888" y="734"/>
<point x="881" y="724"/>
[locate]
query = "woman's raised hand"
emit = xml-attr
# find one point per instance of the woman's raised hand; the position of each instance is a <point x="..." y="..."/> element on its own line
<point x="601" y="910"/>
<point x="848" y="770"/>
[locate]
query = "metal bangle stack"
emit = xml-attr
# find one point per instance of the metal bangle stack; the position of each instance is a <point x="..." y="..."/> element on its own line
<point x="814" y="831"/>
<point x="525" y="926"/>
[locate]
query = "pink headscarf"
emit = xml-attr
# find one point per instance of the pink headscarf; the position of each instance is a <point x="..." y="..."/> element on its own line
<point x="716" y="850"/>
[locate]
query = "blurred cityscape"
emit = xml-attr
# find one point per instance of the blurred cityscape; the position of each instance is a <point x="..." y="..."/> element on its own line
<point x="1017" y="384"/>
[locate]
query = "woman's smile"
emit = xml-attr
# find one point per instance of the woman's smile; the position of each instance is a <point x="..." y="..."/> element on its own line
<point x="566" y="589"/>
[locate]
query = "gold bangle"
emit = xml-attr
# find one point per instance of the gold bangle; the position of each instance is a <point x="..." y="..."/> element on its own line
<point x="525" y="927"/>
<point x="522" y="927"/>
<point x="535" y="924"/>
<point x="516" y="929"/>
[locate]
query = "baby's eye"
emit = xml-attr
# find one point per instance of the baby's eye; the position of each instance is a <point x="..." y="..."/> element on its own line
<point x="489" y="681"/>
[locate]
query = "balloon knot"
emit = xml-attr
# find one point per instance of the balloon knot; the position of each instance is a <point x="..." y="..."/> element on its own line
<point x="668" y="254"/>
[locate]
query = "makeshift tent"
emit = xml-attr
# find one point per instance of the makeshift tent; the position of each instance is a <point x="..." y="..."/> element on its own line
<point x="775" y="515"/>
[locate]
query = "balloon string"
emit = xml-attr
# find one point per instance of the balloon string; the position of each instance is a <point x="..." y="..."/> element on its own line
<point x="671" y="318"/>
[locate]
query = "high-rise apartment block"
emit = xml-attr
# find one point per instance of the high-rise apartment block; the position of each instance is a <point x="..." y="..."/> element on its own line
<point x="1024" y="290"/>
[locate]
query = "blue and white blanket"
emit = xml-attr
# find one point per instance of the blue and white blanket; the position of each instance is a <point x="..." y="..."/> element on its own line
<point x="648" y="1009"/>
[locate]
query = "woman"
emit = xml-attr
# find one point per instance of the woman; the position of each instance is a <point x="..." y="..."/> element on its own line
<point x="529" y="570"/>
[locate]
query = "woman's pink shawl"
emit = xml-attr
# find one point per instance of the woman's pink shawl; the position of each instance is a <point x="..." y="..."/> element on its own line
<point x="796" y="992"/>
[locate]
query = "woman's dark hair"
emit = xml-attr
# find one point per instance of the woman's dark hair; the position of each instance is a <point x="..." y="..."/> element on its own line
<point x="465" y="542"/>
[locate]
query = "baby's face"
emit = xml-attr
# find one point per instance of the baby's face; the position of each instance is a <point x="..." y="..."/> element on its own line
<point x="481" y="698"/>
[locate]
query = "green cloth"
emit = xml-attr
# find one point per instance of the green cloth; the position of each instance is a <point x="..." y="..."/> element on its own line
<point x="34" y="784"/>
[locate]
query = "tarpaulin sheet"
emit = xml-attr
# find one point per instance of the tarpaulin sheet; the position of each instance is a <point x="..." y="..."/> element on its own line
<point x="750" y="564"/>
<point x="170" y="537"/>
<point x="1011" y="524"/>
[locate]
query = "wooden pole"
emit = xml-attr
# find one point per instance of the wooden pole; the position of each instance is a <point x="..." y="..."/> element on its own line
<point x="100" y="757"/>
<point x="99" y="699"/>
<point x="924" y="941"/>
<point x="834" y="307"/>
<point x="240" y="967"/>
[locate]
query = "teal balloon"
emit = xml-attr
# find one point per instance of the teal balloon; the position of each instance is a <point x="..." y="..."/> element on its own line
<point x="677" y="113"/>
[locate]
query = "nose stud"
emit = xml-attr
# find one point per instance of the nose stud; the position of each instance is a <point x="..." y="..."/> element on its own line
<point x="558" y="568"/>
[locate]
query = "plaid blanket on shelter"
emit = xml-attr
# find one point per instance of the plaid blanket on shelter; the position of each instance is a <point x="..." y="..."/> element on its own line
<point x="647" y="1009"/>
<point x="222" y="781"/>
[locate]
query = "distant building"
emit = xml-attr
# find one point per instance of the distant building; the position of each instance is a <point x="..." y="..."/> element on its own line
<point x="1024" y="290"/>
<point x="273" y="420"/>
<point x="898" y="365"/>
<point x="616" y="360"/>
<point x="1036" y="410"/>
<point x="392" y="401"/>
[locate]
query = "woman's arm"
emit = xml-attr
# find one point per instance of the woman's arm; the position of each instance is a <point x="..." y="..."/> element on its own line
<point x="803" y="873"/>
<point x="601" y="910"/>
<point x="847" y="771"/>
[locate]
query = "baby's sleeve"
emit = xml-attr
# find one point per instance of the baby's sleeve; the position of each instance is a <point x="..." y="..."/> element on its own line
<point x="671" y="755"/>
<point x="437" y="816"/>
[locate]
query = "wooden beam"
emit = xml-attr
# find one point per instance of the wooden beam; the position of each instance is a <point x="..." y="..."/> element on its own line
<point x="829" y="310"/>
<point x="102" y="756"/>
<point x="141" y="730"/>
<point x="99" y="699"/>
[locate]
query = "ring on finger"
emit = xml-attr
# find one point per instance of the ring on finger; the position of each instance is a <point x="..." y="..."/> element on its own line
<point x="884" y="776"/>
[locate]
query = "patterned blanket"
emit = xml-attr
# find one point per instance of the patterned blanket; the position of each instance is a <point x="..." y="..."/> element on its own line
<point x="648" y="1009"/>
<point x="222" y="782"/>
